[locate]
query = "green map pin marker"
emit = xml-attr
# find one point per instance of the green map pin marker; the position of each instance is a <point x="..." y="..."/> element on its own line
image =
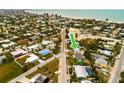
<point x="74" y="44"/>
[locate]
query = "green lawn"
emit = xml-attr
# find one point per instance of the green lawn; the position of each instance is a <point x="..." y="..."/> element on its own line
<point x="22" y="60"/>
<point x="9" y="71"/>
<point x="47" y="70"/>
<point x="122" y="77"/>
<point x="71" y="61"/>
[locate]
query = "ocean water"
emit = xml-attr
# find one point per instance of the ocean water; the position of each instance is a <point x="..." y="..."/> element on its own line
<point x="112" y="15"/>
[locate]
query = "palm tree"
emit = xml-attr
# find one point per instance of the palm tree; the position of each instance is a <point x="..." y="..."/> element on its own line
<point x="106" y="19"/>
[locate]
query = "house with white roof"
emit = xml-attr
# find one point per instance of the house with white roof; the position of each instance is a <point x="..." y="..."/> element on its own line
<point x="111" y="43"/>
<point x="5" y="41"/>
<point x="38" y="78"/>
<point x="100" y="60"/>
<point x="15" y="37"/>
<point x="8" y="45"/>
<point x="32" y="58"/>
<point x="105" y="52"/>
<point x="34" y="47"/>
<point x="97" y="28"/>
<point x="18" y="52"/>
<point x="46" y="42"/>
<point x="80" y="71"/>
<point x="108" y="47"/>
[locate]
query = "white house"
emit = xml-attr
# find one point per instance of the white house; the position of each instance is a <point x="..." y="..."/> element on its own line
<point x="18" y="53"/>
<point x="8" y="45"/>
<point x="32" y="58"/>
<point x="105" y="52"/>
<point x="5" y="41"/>
<point x="108" y="47"/>
<point x="100" y="60"/>
<point x="111" y="43"/>
<point x="46" y="42"/>
<point x="35" y="47"/>
<point x="80" y="71"/>
<point x="38" y="78"/>
<point x="97" y="28"/>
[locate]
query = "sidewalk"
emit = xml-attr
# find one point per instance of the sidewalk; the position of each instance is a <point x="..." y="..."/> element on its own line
<point x="117" y="67"/>
<point x="113" y="71"/>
